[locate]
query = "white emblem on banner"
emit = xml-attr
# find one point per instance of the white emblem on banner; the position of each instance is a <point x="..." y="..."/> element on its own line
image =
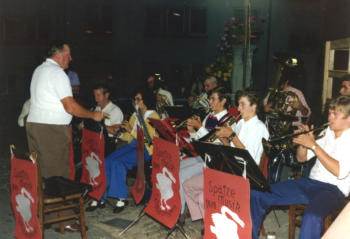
<point x="23" y="207"/>
<point x="224" y="227"/>
<point x="92" y="165"/>
<point x="165" y="181"/>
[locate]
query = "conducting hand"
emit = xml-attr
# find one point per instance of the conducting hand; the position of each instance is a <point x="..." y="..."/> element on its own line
<point x="99" y="115"/>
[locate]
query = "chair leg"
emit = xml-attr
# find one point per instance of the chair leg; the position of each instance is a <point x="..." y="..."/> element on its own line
<point x="41" y="218"/>
<point x="59" y="213"/>
<point x="291" y="222"/>
<point x="82" y="218"/>
<point x="262" y="231"/>
<point x="327" y="222"/>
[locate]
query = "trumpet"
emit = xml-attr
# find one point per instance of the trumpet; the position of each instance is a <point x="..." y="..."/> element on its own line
<point x="211" y="136"/>
<point x="183" y="123"/>
<point x="292" y="135"/>
<point x="285" y="141"/>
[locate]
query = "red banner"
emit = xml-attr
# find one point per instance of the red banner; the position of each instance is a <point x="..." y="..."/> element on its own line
<point x="24" y="199"/>
<point x="93" y="162"/>
<point x="165" y="205"/>
<point x="226" y="206"/>
<point x="138" y="189"/>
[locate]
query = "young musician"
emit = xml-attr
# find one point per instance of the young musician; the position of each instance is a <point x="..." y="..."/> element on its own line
<point x="246" y="134"/>
<point x="329" y="180"/>
<point x="124" y="158"/>
<point x="219" y="101"/>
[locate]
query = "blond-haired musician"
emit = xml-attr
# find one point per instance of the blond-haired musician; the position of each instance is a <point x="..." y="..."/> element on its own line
<point x="246" y="134"/>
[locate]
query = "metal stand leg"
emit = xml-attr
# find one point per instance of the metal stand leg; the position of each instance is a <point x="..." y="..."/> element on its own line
<point x="180" y="228"/>
<point x="278" y="223"/>
<point x="141" y="214"/>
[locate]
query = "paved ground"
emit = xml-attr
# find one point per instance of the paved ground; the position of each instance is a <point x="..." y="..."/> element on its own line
<point x="146" y="228"/>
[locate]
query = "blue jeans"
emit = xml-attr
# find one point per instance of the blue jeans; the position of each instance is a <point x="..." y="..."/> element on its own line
<point x="321" y="198"/>
<point x="117" y="165"/>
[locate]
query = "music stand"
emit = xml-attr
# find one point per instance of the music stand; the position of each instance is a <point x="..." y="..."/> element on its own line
<point x="168" y="132"/>
<point x="178" y="111"/>
<point x="227" y="159"/>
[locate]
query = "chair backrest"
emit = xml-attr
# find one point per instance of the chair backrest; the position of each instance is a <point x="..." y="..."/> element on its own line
<point x="24" y="193"/>
<point x="263" y="164"/>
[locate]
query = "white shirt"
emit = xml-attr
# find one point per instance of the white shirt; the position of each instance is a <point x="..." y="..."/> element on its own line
<point x="50" y="84"/>
<point x="251" y="133"/>
<point x="24" y="113"/>
<point x="202" y="131"/>
<point x="339" y="150"/>
<point x="166" y="94"/>
<point x="115" y="114"/>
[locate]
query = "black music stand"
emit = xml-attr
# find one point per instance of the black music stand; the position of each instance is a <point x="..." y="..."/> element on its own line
<point x="228" y="159"/>
<point x="179" y="112"/>
<point x="168" y="133"/>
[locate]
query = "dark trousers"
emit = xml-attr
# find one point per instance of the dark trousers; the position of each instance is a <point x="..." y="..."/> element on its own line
<point x="321" y="198"/>
<point x="52" y="144"/>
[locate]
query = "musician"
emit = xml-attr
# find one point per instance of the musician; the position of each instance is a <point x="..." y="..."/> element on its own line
<point x="246" y="134"/>
<point x="300" y="105"/>
<point x="202" y="101"/>
<point x="329" y="180"/>
<point x="113" y="122"/>
<point x="190" y="167"/>
<point x="163" y="97"/>
<point x="345" y="85"/>
<point x="124" y="158"/>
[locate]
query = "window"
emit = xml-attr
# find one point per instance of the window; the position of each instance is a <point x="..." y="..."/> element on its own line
<point x="197" y="21"/>
<point x="99" y="20"/>
<point x="175" y="21"/>
<point x="154" y="21"/>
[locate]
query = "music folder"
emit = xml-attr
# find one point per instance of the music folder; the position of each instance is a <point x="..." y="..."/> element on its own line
<point x="229" y="159"/>
<point x="168" y="133"/>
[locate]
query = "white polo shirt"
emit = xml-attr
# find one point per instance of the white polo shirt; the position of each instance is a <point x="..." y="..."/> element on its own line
<point x="49" y="85"/>
<point x="251" y="133"/>
<point x="115" y="114"/>
<point x="339" y="150"/>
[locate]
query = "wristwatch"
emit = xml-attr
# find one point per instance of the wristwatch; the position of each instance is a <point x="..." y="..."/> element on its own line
<point x="232" y="135"/>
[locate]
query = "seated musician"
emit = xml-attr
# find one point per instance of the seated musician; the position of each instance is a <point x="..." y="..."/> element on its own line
<point x="246" y="134"/>
<point x="190" y="167"/>
<point x="201" y="103"/>
<point x="124" y="158"/>
<point x="155" y="84"/>
<point x="299" y="107"/>
<point x="113" y="122"/>
<point x="329" y="180"/>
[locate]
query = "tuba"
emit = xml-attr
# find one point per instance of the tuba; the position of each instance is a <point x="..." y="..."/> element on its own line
<point x="283" y="101"/>
<point x="201" y="105"/>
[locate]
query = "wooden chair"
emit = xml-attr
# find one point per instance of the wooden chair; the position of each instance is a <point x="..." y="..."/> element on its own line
<point x="47" y="204"/>
<point x="262" y="166"/>
<point x="296" y="212"/>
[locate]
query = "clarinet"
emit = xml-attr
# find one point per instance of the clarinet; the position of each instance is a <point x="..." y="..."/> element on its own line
<point x="143" y="124"/>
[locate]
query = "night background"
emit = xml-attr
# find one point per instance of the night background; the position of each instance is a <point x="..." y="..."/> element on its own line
<point x="121" y="41"/>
